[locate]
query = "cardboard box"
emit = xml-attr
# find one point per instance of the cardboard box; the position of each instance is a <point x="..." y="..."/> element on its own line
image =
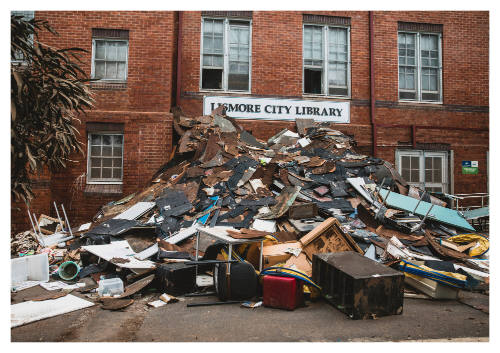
<point x="274" y="254"/>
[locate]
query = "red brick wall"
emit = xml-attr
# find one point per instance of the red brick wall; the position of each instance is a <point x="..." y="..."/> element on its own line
<point x="277" y="72"/>
<point x="143" y="106"/>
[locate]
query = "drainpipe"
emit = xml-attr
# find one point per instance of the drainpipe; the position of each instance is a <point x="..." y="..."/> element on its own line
<point x="179" y="61"/>
<point x="372" y="88"/>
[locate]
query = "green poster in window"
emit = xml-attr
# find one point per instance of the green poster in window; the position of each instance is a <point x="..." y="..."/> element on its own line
<point x="470" y="167"/>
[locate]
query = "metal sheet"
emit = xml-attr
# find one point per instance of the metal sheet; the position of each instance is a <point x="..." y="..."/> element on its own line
<point x="477" y="213"/>
<point x="438" y="213"/>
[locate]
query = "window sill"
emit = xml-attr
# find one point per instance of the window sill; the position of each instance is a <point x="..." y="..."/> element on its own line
<point x="108" y="85"/>
<point x="405" y="102"/>
<point x="224" y="92"/>
<point x="103" y="190"/>
<point x="312" y="95"/>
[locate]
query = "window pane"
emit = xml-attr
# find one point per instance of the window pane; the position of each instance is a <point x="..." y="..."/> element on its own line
<point x="117" y="139"/>
<point x="405" y="173"/>
<point x="100" y="69"/>
<point x="337" y="74"/>
<point x="111" y="52"/>
<point x="405" y="162"/>
<point x="106" y="151"/>
<point x="207" y="60"/>
<point x="117" y="173"/>
<point x="107" y="162"/>
<point x="95" y="173"/>
<point x="95" y="151"/>
<point x="122" y="51"/>
<point x="244" y="36"/>
<point x="95" y="139"/>
<point x="312" y="81"/>
<point x="313" y="43"/>
<point x="211" y="79"/>
<point x="95" y="162"/>
<point x="425" y="81"/>
<point x="106" y="173"/>
<point x="111" y="70"/>
<point x="100" y="49"/>
<point x="415" y="163"/>
<point x="106" y="140"/>
<point x="117" y="162"/>
<point x="218" y="26"/>
<point x="237" y="82"/>
<point x="410" y="79"/>
<point x="428" y="162"/>
<point x="121" y="71"/>
<point x="428" y="176"/>
<point x="208" y="44"/>
<point x="208" y="26"/>
<point x="414" y="176"/>
<point x="438" y="176"/>
<point x="117" y="151"/>
<point x="218" y="44"/>
<point x="433" y="80"/>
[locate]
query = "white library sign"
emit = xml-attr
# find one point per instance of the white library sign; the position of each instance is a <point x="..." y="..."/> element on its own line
<point x="279" y="109"/>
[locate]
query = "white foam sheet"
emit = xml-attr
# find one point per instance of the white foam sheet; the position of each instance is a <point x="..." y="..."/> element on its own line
<point x="136" y="210"/>
<point x="120" y="249"/>
<point x="30" y="311"/>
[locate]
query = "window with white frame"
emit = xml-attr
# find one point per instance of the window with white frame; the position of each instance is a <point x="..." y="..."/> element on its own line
<point x="326" y="54"/>
<point x="105" y="157"/>
<point x="110" y="55"/>
<point x="420" y="68"/>
<point x="226" y="54"/>
<point x="426" y="169"/>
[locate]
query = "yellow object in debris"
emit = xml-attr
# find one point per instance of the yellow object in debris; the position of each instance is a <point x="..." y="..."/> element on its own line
<point x="483" y="242"/>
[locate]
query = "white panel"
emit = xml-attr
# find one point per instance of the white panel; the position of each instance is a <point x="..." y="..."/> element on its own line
<point x="31" y="311"/>
<point x="119" y="249"/>
<point x="136" y="211"/>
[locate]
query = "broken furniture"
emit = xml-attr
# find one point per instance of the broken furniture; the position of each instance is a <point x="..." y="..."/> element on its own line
<point x="328" y="237"/>
<point x="220" y="233"/>
<point x="358" y="286"/>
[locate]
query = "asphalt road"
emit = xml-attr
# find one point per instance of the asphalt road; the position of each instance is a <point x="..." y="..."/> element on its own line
<point x="421" y="320"/>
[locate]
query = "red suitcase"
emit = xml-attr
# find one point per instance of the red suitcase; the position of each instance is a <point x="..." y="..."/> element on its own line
<point x="282" y="292"/>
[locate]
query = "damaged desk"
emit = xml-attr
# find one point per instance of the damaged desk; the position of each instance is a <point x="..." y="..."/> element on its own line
<point x="221" y="233"/>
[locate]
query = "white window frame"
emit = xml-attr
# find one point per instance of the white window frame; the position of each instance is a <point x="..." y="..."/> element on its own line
<point x="445" y="184"/>
<point x="92" y="70"/>
<point x="324" y="83"/>
<point x="110" y="180"/>
<point x="419" y="68"/>
<point x="225" y="41"/>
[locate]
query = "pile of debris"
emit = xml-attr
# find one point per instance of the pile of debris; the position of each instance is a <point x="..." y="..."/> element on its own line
<point x="250" y="218"/>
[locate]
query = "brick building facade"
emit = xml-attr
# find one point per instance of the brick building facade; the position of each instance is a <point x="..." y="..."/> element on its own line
<point x="136" y="106"/>
<point x="416" y="81"/>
